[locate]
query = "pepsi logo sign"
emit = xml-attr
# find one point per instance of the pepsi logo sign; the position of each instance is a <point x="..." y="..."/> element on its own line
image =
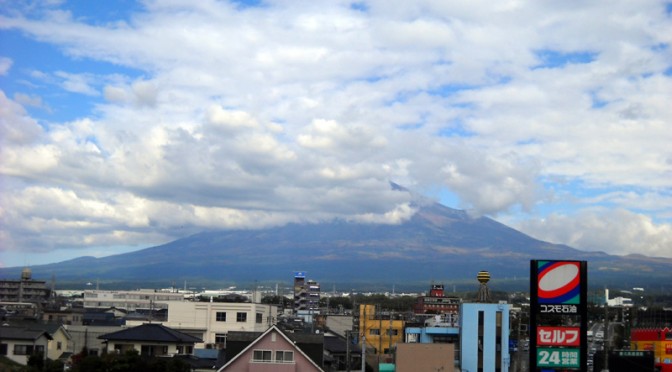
<point x="559" y="282"/>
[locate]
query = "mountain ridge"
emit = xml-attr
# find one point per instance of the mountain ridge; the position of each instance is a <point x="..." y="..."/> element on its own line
<point x="436" y="243"/>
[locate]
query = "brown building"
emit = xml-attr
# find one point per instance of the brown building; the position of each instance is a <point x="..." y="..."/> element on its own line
<point x="437" y="302"/>
<point x="425" y="357"/>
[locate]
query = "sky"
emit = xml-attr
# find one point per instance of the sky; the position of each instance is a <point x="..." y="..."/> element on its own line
<point x="128" y="124"/>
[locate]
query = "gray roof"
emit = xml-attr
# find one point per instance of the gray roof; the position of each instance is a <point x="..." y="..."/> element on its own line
<point x="21" y="333"/>
<point x="150" y="332"/>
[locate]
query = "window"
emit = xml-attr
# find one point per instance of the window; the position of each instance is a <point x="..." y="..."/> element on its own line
<point x="180" y="349"/>
<point x="28" y="349"/>
<point x="260" y="317"/>
<point x="220" y="340"/>
<point x="262" y="356"/>
<point x="220" y="316"/>
<point x="22" y="349"/>
<point x="241" y="317"/>
<point x="392" y="332"/>
<point x="3" y="349"/>
<point x="374" y="331"/>
<point x="284" y="356"/>
<point x="59" y="345"/>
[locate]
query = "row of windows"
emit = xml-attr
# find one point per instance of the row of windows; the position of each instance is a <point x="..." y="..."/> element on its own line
<point x="266" y="356"/>
<point x="220" y="316"/>
<point x="388" y="332"/>
<point x="23" y="349"/>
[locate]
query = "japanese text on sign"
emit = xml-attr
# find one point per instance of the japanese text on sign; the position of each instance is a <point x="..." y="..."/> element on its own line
<point x="558" y="309"/>
<point x="558" y="336"/>
<point x="548" y="357"/>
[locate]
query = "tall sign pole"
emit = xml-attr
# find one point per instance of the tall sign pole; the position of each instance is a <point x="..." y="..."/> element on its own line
<point x="558" y="303"/>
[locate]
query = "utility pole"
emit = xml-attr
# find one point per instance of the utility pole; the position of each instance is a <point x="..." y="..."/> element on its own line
<point x="389" y="348"/>
<point x="380" y="332"/>
<point x="607" y="339"/>
<point x="347" y="350"/>
<point x="363" y="353"/>
<point x="363" y="331"/>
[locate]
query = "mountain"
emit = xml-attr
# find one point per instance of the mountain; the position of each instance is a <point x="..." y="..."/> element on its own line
<point x="438" y="243"/>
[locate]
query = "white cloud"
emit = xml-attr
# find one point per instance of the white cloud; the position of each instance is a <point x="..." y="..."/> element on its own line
<point x="76" y="83"/>
<point x="613" y="231"/>
<point x="220" y="117"/>
<point x="5" y="65"/>
<point x="16" y="127"/>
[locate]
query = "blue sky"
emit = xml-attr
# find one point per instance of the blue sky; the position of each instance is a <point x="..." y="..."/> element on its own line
<point x="127" y="124"/>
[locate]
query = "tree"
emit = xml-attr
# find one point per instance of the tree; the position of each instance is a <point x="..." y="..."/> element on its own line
<point x="36" y="362"/>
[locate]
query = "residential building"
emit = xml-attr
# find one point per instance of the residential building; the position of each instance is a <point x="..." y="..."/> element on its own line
<point x="25" y="290"/>
<point x="306" y="293"/>
<point x="67" y="316"/>
<point x="270" y="351"/>
<point x="337" y="350"/>
<point x="85" y="336"/>
<point x="379" y="330"/>
<point x="19" y="343"/>
<point x="484" y="337"/>
<point x="212" y="321"/>
<point x="61" y="341"/>
<point x="150" y="340"/>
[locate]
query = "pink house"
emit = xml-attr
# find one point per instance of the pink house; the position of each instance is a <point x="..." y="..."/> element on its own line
<point x="271" y="352"/>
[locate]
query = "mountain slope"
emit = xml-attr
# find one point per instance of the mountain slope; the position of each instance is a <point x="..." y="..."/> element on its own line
<point x="437" y="243"/>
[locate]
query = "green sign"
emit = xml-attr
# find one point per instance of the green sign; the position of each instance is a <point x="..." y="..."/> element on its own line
<point x="556" y="357"/>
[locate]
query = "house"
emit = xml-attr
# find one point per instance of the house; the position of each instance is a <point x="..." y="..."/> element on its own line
<point x="212" y="321"/>
<point x="83" y="336"/>
<point x="273" y="350"/>
<point x="337" y="350"/>
<point x="19" y="343"/>
<point x="150" y="340"/>
<point x="60" y="341"/>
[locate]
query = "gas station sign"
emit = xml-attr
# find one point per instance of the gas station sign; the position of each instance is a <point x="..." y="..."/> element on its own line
<point x="558" y="336"/>
<point x="558" y="296"/>
<point x="558" y="358"/>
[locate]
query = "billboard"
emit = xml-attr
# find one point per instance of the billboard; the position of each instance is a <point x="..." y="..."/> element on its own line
<point x="558" y="295"/>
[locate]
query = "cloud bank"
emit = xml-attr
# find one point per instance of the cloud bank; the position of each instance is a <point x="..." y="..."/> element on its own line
<point x="174" y="117"/>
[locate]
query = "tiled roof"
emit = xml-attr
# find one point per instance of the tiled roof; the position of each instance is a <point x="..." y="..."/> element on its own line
<point x="150" y="332"/>
<point x="21" y="333"/>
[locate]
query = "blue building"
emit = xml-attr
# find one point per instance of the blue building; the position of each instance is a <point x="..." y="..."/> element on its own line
<point x="438" y="329"/>
<point x="484" y="337"/>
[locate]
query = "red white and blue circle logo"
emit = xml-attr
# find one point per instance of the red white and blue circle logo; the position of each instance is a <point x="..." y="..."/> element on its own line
<point x="558" y="282"/>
